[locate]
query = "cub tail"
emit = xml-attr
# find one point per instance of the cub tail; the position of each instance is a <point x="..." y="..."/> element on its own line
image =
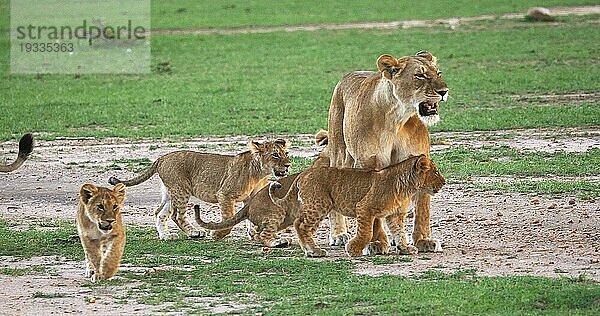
<point x="139" y="179"/>
<point x="25" y="149"/>
<point x="285" y="202"/>
<point x="322" y="138"/>
<point x="226" y="224"/>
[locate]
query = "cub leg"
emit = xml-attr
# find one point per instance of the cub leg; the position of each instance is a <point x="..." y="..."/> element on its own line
<point x="422" y="231"/>
<point x="338" y="229"/>
<point x="268" y="235"/>
<point x="93" y="255"/>
<point x="227" y="207"/>
<point x="305" y="229"/>
<point x="162" y="213"/>
<point x="179" y="202"/>
<point x="379" y="242"/>
<point x="364" y="234"/>
<point x="111" y="259"/>
<point x="397" y="224"/>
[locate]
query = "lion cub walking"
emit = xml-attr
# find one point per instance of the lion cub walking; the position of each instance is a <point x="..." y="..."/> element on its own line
<point x="364" y="194"/>
<point x="101" y="230"/>
<point x="212" y="178"/>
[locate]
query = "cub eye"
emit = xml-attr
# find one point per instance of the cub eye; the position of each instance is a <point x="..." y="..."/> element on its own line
<point x="115" y="207"/>
<point x="276" y="155"/>
<point x="101" y="207"/>
<point x="420" y="76"/>
<point x="439" y="74"/>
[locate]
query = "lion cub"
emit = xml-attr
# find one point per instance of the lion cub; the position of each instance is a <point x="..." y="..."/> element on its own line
<point x="212" y="178"/>
<point x="364" y="194"/>
<point x="101" y="230"/>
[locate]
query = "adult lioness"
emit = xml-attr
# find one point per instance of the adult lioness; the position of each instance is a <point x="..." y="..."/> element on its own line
<point x="364" y="194"/>
<point x="100" y="228"/>
<point x="25" y="148"/>
<point x="212" y="178"/>
<point x="380" y="118"/>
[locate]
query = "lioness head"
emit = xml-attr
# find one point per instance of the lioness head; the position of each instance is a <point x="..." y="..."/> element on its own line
<point x="102" y="205"/>
<point x="273" y="156"/>
<point x="430" y="178"/>
<point x="416" y="81"/>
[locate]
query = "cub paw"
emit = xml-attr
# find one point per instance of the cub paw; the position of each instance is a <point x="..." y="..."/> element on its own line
<point x="196" y="234"/>
<point x="315" y="253"/>
<point x="375" y="248"/>
<point x="339" y="240"/>
<point x="219" y="234"/>
<point x="429" y="245"/>
<point x="407" y="250"/>
<point x="281" y="243"/>
<point x="168" y="236"/>
<point x="89" y="273"/>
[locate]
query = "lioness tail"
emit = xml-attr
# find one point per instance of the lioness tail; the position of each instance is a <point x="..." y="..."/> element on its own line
<point x="226" y="224"/>
<point x="139" y="179"/>
<point x="25" y="148"/>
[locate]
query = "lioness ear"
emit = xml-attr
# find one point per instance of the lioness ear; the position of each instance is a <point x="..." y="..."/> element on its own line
<point x="282" y="142"/>
<point x="427" y="55"/>
<point x="389" y="66"/>
<point x="423" y="163"/>
<point x="119" y="190"/>
<point x="254" y="146"/>
<point x="87" y="192"/>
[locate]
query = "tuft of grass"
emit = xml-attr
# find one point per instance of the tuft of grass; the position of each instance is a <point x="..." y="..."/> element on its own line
<point x="130" y="164"/>
<point x="48" y="295"/>
<point x="583" y="189"/>
<point x="35" y="270"/>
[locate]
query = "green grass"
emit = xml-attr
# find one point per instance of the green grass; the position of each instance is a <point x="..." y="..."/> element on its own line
<point x="283" y="281"/>
<point x="24" y="271"/>
<point x="281" y="82"/>
<point x="581" y="188"/>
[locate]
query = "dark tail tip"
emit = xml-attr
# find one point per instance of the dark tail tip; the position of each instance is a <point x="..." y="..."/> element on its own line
<point x="25" y="145"/>
<point x="113" y="181"/>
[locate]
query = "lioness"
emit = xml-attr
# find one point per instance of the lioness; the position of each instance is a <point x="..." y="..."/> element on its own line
<point x="212" y="178"/>
<point x="25" y="148"/>
<point x="366" y="195"/>
<point x="267" y="217"/>
<point x="101" y="230"/>
<point x="380" y="118"/>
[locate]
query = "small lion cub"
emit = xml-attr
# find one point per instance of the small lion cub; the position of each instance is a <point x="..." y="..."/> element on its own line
<point x="101" y="230"/>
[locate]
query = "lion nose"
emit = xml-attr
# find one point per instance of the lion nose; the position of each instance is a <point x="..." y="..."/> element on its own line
<point x="110" y="221"/>
<point x="442" y="92"/>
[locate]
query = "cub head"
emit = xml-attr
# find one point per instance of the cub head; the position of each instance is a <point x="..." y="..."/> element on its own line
<point x="416" y="81"/>
<point x="273" y="156"/>
<point x="430" y="178"/>
<point x="102" y="205"/>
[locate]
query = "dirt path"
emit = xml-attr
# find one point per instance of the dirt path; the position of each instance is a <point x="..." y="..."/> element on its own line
<point x="450" y="22"/>
<point x="492" y="233"/>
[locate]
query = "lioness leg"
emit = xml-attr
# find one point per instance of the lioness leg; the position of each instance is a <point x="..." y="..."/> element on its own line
<point x="179" y="202"/>
<point x="397" y="224"/>
<point x="305" y="229"/>
<point x="379" y="242"/>
<point x="111" y="259"/>
<point x="268" y="235"/>
<point x="364" y="234"/>
<point x="422" y="231"/>
<point x="227" y="207"/>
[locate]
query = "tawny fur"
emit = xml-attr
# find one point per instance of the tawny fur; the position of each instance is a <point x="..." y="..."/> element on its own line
<point x="25" y="149"/>
<point x="266" y="217"/>
<point x="366" y="195"/>
<point x="380" y="118"/>
<point x="212" y="178"/>
<point x="100" y="228"/>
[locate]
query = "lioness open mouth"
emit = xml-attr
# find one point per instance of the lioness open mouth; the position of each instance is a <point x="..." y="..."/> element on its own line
<point x="426" y="108"/>
<point x="105" y="228"/>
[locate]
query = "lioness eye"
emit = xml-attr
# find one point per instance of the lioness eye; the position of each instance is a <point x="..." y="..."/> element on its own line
<point x="420" y="76"/>
<point x="439" y="74"/>
<point x="276" y="155"/>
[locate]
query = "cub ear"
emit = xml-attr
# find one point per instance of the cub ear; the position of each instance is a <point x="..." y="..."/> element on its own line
<point x="388" y="65"/>
<point x="423" y="163"/>
<point x="282" y="142"/>
<point x="254" y="146"/>
<point x="427" y="55"/>
<point x="87" y="192"/>
<point x="119" y="190"/>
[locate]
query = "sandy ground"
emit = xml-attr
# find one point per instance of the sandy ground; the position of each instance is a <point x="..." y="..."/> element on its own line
<point x="492" y="233"/>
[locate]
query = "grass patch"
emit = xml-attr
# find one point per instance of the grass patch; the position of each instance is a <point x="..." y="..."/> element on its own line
<point x="35" y="270"/>
<point x="462" y="163"/>
<point x="286" y="88"/>
<point x="239" y="273"/>
<point x="130" y="164"/>
<point x="581" y="188"/>
<point x="48" y="295"/>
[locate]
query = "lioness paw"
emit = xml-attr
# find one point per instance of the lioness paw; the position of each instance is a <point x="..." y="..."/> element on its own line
<point x="429" y="245"/>
<point x="339" y="240"/>
<point x="407" y="250"/>
<point x="375" y="248"/>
